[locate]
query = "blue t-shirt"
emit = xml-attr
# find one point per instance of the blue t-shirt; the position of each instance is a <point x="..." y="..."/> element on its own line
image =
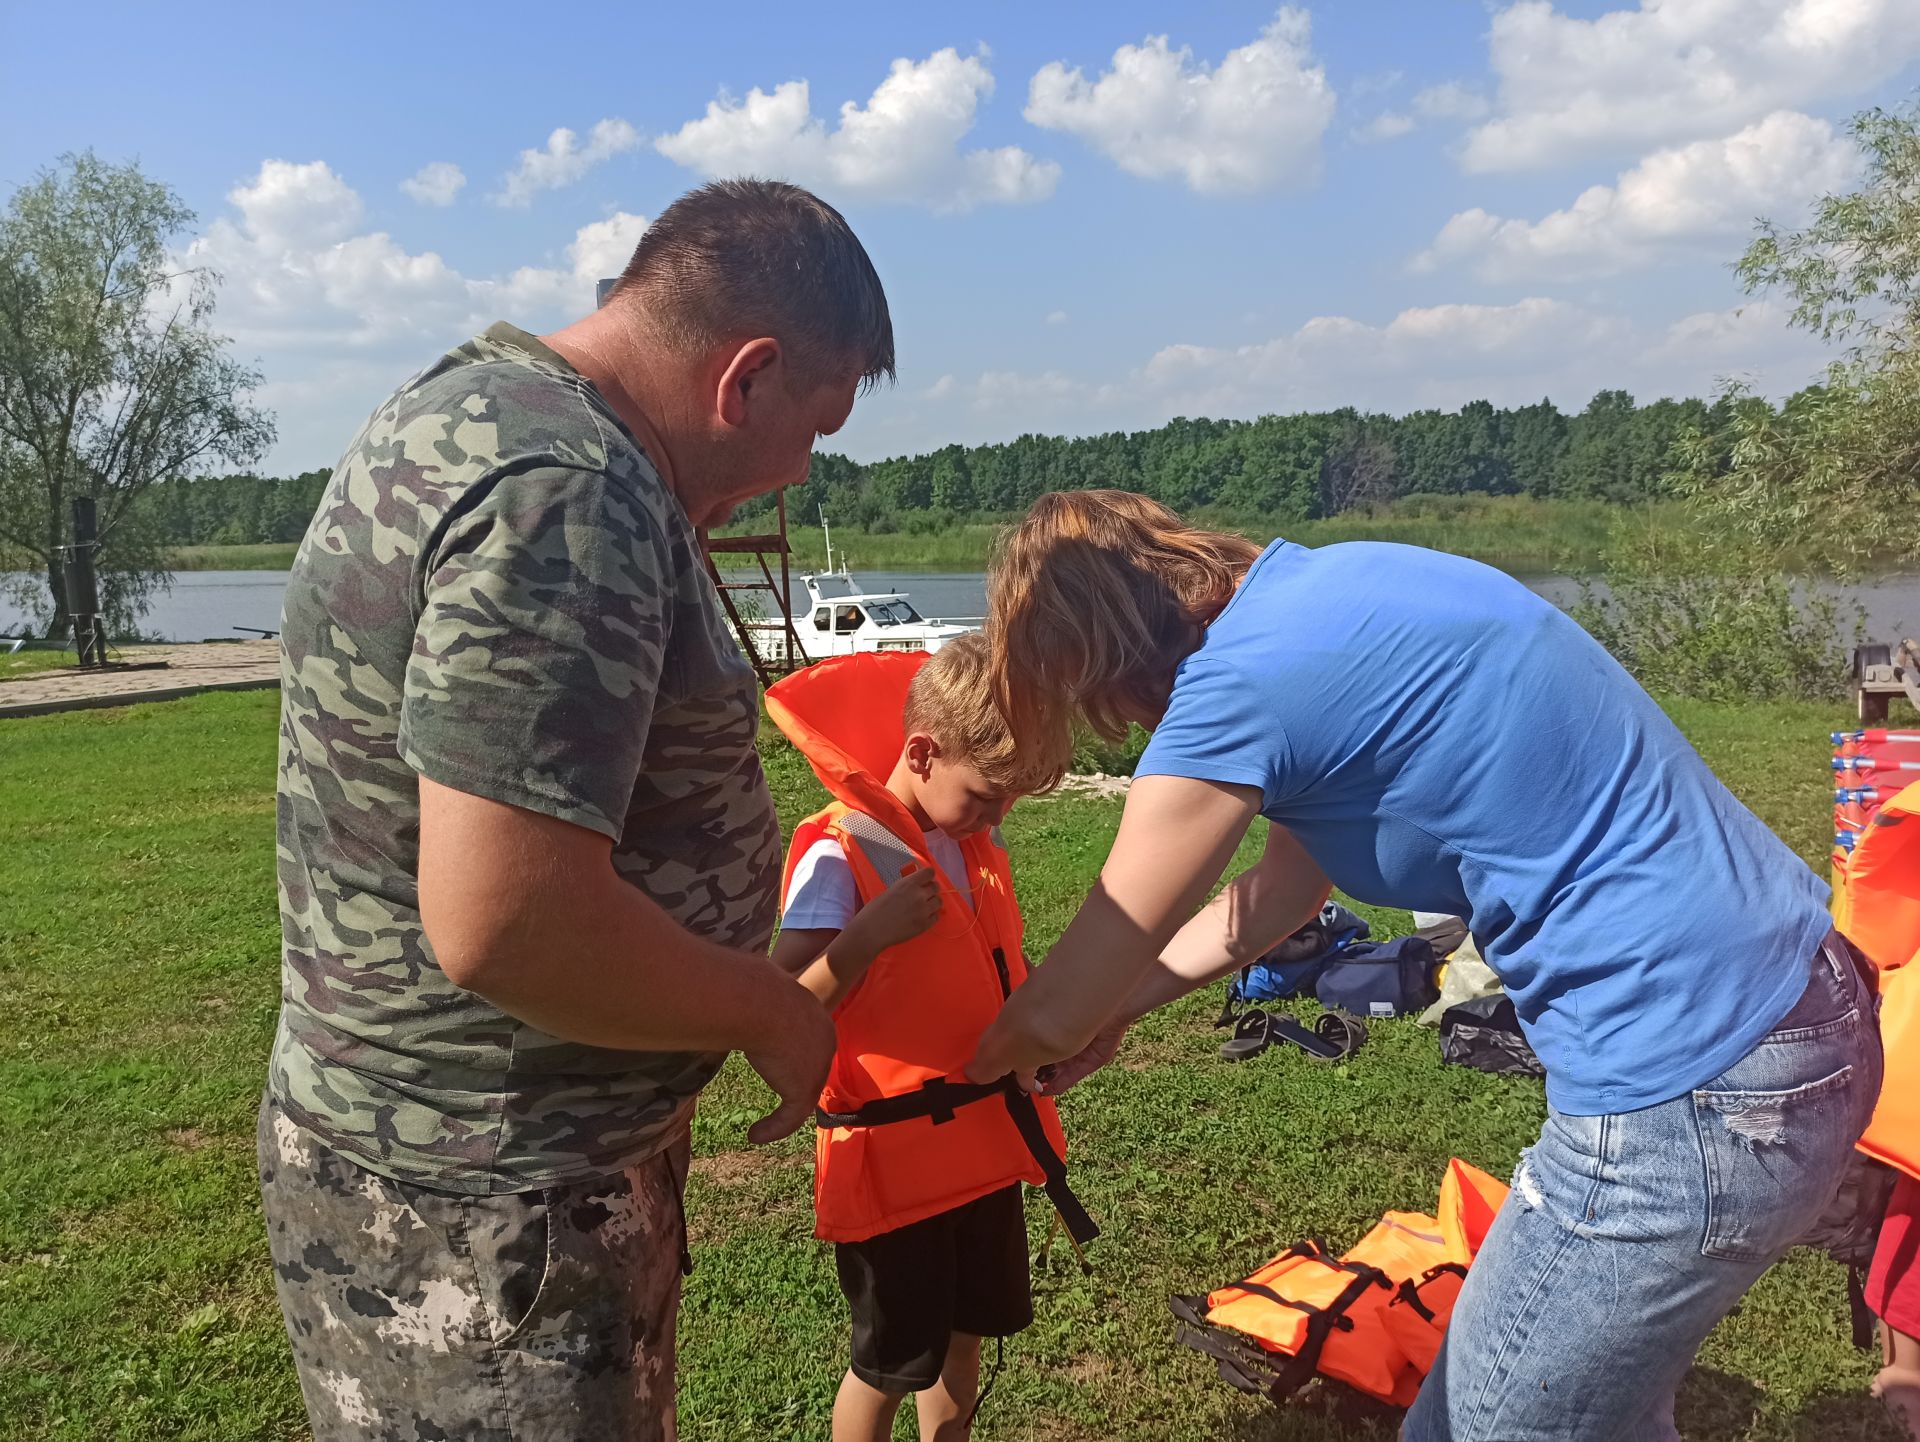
<point x="1440" y="738"/>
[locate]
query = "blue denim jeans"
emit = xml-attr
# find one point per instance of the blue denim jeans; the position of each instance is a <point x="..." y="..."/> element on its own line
<point x="1627" y="1237"/>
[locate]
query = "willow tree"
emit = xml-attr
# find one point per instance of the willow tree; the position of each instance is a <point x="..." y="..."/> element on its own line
<point x="111" y="377"/>
<point x="1833" y="475"/>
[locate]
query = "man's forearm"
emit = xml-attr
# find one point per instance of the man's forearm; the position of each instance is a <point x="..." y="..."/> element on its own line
<point x="612" y="969"/>
<point x="529" y="913"/>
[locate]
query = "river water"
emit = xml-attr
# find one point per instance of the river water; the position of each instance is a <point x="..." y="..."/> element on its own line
<point x="208" y="605"/>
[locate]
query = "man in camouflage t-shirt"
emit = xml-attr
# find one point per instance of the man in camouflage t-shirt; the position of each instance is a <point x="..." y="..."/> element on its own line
<point x="527" y="858"/>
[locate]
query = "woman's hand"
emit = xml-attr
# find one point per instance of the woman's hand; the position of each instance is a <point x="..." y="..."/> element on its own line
<point x="1176" y="837"/>
<point x="1063" y="1076"/>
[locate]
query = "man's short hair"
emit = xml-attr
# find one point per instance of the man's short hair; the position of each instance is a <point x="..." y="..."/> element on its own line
<point x="742" y="258"/>
<point x="951" y="700"/>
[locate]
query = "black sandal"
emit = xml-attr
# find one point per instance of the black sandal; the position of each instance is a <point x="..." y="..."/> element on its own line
<point x="1252" y="1034"/>
<point x="1340" y="1032"/>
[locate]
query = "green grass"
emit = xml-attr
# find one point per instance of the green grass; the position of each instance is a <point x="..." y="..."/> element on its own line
<point x="262" y="556"/>
<point x="139" y="963"/>
<point x="1516" y="533"/>
<point x="33" y="662"/>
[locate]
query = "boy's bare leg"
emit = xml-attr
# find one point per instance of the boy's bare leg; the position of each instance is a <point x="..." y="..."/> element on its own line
<point x="946" y="1408"/>
<point x="863" y="1413"/>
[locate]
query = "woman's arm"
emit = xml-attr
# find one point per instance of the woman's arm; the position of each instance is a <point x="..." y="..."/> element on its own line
<point x="1269" y="900"/>
<point x="1176" y="837"/>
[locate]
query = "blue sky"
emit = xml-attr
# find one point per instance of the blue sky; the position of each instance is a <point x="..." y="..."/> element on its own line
<point x="1088" y="217"/>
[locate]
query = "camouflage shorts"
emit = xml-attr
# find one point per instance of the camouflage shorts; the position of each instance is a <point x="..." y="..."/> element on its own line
<point x="526" y="1317"/>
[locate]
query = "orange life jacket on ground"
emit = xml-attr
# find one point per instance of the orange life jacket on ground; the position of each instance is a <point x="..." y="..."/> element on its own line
<point x="903" y="1135"/>
<point x="1876" y="905"/>
<point x="1373" y="1318"/>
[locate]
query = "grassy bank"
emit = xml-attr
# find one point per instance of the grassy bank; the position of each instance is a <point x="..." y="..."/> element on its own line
<point x="139" y="954"/>
<point x="33" y="662"/>
<point x="1516" y="533"/>
<point x="266" y="556"/>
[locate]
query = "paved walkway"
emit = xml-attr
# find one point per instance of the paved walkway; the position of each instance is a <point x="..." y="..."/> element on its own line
<point x="189" y="670"/>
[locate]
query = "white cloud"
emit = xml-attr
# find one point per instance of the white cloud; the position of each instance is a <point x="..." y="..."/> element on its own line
<point x="287" y="204"/>
<point x="1675" y="70"/>
<point x="338" y="316"/>
<point x="302" y="281"/>
<point x="1707" y="192"/>
<point x="603" y="248"/>
<point x="901" y="146"/>
<point x="1451" y="101"/>
<point x="1056" y="317"/>
<point x="1387" y="125"/>
<point x="1253" y="123"/>
<point x="564" y="160"/>
<point x="436" y="183"/>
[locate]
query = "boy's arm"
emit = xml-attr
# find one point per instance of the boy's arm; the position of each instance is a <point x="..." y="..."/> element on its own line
<point x="830" y="964"/>
<point x="827" y="963"/>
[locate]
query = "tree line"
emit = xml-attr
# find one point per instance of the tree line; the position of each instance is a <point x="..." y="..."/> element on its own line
<point x="1278" y="468"/>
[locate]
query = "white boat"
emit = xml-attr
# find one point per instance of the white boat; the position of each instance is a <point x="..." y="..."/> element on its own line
<point x="841" y="619"/>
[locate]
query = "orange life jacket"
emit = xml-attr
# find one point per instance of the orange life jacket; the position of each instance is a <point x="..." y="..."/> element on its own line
<point x="1373" y="1318"/>
<point x="903" y="1135"/>
<point x="1876" y="905"/>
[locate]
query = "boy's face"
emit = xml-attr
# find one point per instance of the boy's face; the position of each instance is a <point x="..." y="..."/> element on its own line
<point x="951" y="794"/>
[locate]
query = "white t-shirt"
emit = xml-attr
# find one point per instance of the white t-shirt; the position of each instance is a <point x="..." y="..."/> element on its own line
<point x="823" y="897"/>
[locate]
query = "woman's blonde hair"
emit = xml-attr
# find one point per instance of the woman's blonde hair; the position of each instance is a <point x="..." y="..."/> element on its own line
<point x="1093" y="602"/>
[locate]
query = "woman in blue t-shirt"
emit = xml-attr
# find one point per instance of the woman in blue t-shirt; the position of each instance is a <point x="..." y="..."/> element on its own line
<point x="1425" y="732"/>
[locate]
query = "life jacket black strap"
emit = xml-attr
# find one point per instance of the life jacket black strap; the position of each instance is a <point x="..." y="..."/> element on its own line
<point x="1408" y="1294"/>
<point x="939" y="1099"/>
<point x="1235" y="1358"/>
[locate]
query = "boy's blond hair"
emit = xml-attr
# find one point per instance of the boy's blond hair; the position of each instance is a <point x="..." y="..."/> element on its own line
<point x="951" y="700"/>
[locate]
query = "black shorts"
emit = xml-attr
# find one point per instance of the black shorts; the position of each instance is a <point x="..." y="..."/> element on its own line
<point x="913" y="1288"/>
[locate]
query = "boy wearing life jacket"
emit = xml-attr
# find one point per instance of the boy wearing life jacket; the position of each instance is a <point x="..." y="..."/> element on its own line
<point x="900" y="917"/>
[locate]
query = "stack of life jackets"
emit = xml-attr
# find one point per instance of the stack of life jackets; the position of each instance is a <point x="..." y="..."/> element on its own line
<point x="1372" y="1318"/>
<point x="1869" y="768"/>
<point x="1876" y="905"/>
<point x="902" y="1134"/>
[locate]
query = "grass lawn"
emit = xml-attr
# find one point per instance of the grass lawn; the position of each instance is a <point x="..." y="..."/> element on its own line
<point x="32" y="663"/>
<point x="139" y="962"/>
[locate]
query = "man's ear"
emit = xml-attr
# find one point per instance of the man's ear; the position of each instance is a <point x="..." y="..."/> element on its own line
<point x="755" y="363"/>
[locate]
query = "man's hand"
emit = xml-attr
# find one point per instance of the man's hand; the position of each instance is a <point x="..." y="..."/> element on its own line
<point x="794" y="1063"/>
<point x="1064" y="1076"/>
<point x="901" y="912"/>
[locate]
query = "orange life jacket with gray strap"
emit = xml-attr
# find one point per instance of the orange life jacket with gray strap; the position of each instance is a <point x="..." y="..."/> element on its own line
<point x="1372" y="1318"/>
<point x="903" y="1135"/>
<point x="1876" y="906"/>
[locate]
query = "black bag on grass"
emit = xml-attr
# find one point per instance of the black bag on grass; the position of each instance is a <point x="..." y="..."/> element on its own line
<point x="1485" y="1034"/>
<point x="1388" y="978"/>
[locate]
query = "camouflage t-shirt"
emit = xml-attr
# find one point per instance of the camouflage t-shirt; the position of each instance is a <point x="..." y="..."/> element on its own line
<point x="499" y="593"/>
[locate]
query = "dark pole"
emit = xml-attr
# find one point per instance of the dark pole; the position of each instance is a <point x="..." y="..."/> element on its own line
<point x="83" y="592"/>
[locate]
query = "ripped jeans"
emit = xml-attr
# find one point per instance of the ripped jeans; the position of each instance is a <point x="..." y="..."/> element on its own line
<point x="1627" y="1237"/>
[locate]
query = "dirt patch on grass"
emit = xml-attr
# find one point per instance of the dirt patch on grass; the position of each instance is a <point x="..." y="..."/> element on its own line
<point x="1088" y="1369"/>
<point x="737" y="1168"/>
<point x="1094" y="784"/>
<point x="188" y="1139"/>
